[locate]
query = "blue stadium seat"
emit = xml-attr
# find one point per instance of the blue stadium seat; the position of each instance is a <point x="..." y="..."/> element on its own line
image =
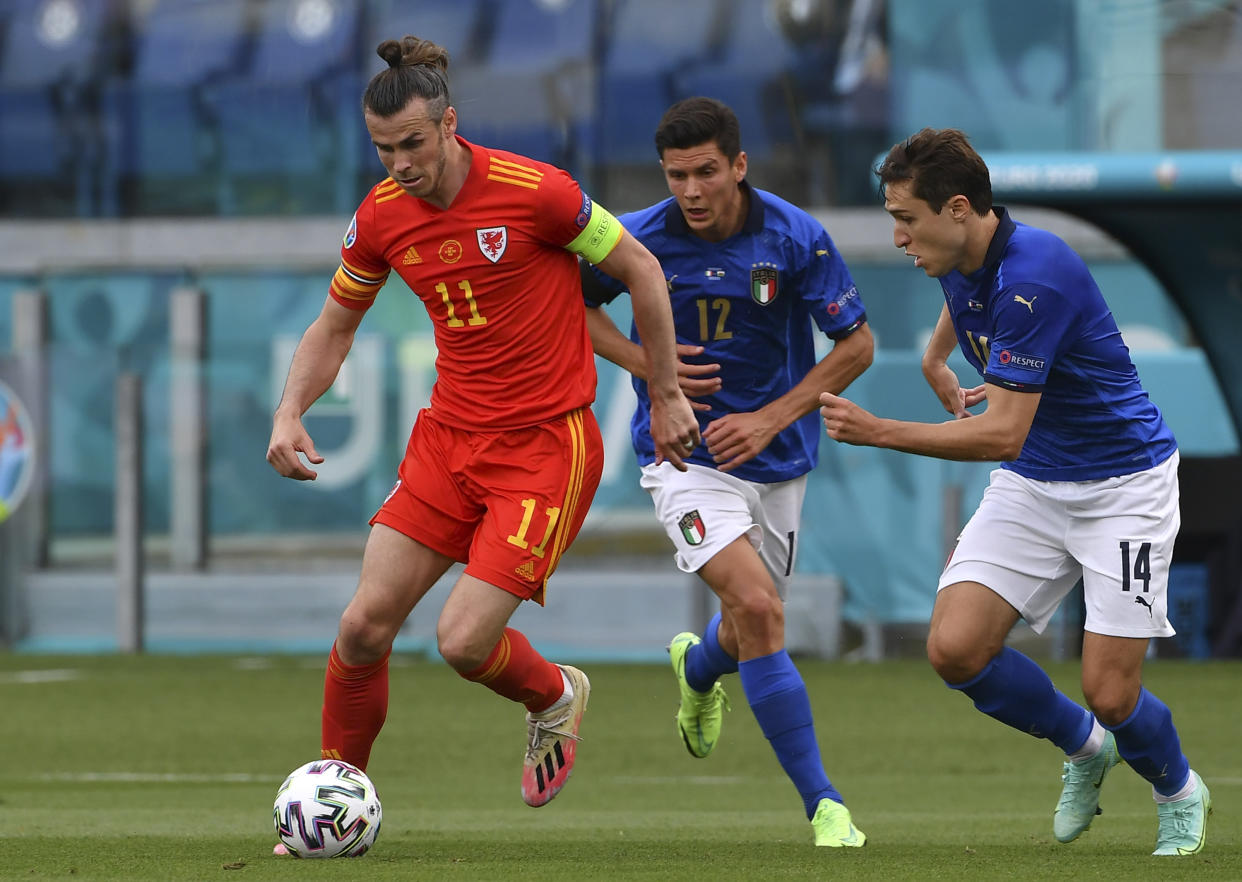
<point x="534" y="93"/>
<point x="302" y="41"/>
<point x="542" y="34"/>
<point x="48" y="42"/>
<point x="34" y="135"/>
<point x="747" y="75"/>
<point x="186" y="42"/>
<point x="51" y="54"/>
<point x="158" y="132"/>
<point x="454" y="24"/>
<point x="648" y="43"/>
<point x="281" y="118"/>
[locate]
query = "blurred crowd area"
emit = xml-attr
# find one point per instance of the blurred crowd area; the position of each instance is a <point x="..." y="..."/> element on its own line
<point x="124" y="108"/>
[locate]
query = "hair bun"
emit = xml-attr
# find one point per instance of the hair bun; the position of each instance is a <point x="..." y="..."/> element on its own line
<point x="390" y="51"/>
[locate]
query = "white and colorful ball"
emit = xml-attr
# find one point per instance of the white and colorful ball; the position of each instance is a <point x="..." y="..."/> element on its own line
<point x="327" y="808"/>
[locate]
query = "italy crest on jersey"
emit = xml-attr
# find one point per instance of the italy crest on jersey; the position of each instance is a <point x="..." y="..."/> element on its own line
<point x="764" y="283"/>
<point x="692" y="528"/>
<point x="492" y="242"/>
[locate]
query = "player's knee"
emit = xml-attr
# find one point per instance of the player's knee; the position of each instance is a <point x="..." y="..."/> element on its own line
<point x="461" y="650"/>
<point x="758" y="612"/>
<point x="957" y="660"/>
<point x="361" y="641"/>
<point x="1111" y="700"/>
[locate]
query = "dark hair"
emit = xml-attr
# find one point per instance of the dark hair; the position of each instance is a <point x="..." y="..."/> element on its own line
<point x="416" y="69"/>
<point x="695" y="121"/>
<point x="942" y="164"/>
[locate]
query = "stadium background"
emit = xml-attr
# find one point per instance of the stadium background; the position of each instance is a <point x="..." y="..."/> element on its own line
<point x="152" y="146"/>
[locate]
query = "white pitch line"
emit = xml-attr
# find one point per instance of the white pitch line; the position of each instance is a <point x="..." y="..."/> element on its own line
<point x="160" y="777"/>
<point x="55" y="675"/>
<point x="253" y="663"/>
<point x="681" y="779"/>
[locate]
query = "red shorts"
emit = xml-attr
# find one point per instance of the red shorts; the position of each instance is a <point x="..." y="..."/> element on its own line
<point x="507" y="504"/>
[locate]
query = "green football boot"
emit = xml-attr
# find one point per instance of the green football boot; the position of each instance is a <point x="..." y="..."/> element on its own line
<point x="1183" y="824"/>
<point x="699" y="714"/>
<point x="1080" y="797"/>
<point x="835" y="828"/>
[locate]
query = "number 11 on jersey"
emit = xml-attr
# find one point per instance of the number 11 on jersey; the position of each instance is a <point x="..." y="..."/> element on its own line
<point x="453" y="321"/>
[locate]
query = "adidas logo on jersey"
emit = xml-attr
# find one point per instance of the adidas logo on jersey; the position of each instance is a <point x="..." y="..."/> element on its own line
<point x="526" y="570"/>
<point x="411" y="257"/>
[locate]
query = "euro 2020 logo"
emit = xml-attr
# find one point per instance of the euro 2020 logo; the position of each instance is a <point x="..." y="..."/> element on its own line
<point x="17" y="451"/>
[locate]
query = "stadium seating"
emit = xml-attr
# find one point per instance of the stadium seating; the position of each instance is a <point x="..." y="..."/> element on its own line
<point x="161" y="141"/>
<point x="48" y="58"/>
<point x="534" y="93"/>
<point x="456" y="25"/>
<point x="748" y="75"/>
<point x="650" y="42"/>
<point x="289" y="120"/>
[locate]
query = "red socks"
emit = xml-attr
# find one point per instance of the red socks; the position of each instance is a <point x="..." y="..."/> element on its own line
<point x="355" y="697"/>
<point x="516" y="671"/>
<point x="355" y="703"/>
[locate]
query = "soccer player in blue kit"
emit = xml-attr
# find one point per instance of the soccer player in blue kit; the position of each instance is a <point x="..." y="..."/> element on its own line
<point x="1087" y="486"/>
<point x="748" y="274"/>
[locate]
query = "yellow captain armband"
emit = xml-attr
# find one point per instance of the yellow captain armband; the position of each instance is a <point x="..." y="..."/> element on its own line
<point x="599" y="237"/>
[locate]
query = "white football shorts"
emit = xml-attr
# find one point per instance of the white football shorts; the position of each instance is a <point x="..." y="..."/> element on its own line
<point x="1031" y="541"/>
<point x="703" y="510"/>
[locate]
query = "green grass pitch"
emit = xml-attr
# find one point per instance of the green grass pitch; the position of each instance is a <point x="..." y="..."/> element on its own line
<point x="165" y="768"/>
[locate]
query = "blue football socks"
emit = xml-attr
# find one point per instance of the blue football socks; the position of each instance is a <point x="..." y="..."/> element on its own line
<point x="707" y="662"/>
<point x="1016" y="691"/>
<point x="1148" y="741"/>
<point x="778" y="698"/>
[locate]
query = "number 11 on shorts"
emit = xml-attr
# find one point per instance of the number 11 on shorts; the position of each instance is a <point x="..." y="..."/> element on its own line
<point x="519" y="539"/>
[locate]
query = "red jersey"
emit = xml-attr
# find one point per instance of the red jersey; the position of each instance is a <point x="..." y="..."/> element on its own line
<point x="502" y="291"/>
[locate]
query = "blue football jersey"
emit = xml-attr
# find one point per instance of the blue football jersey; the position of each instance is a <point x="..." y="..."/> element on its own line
<point x="750" y="302"/>
<point x="1032" y="318"/>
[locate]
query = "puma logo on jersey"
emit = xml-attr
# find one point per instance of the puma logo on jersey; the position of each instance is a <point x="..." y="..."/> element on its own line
<point x="1029" y="304"/>
<point x="1143" y="601"/>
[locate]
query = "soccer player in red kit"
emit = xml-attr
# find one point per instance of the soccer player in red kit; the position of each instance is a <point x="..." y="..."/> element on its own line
<point x="501" y="468"/>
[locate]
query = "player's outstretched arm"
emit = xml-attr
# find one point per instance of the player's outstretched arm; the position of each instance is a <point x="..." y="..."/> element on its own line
<point x="996" y="435"/>
<point x="315" y="364"/>
<point x="674" y="429"/>
<point x="737" y="438"/>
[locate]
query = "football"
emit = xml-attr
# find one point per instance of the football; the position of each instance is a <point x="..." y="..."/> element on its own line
<point x="326" y="809"/>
